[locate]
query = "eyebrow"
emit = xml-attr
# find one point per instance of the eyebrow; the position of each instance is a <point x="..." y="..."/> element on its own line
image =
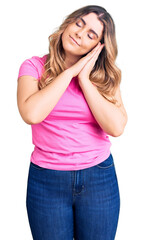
<point x="90" y="29"/>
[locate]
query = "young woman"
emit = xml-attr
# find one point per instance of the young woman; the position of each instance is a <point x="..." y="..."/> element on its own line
<point x="71" y="98"/>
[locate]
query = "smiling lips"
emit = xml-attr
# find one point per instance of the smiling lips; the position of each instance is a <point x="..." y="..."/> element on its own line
<point x="74" y="40"/>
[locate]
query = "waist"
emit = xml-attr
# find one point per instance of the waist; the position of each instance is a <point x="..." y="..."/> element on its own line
<point x="69" y="161"/>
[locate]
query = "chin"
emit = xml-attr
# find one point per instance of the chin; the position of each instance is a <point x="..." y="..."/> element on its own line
<point x="70" y="48"/>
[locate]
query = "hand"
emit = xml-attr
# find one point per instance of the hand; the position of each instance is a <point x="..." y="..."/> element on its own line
<point x="86" y="70"/>
<point x="78" y="66"/>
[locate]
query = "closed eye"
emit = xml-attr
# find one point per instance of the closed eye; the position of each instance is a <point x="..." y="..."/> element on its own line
<point x="80" y="26"/>
<point x="89" y="36"/>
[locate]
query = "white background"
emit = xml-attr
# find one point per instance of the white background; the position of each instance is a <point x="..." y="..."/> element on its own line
<point x="25" y="27"/>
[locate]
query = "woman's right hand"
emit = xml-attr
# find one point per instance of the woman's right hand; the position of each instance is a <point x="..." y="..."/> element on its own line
<point x="77" y="67"/>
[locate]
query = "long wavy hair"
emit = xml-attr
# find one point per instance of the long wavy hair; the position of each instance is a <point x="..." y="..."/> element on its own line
<point x="105" y="75"/>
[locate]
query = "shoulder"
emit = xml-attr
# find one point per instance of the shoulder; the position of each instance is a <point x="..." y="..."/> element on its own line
<point x="32" y="66"/>
<point x="38" y="60"/>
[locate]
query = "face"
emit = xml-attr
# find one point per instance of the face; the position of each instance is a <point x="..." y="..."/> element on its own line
<point x="82" y="35"/>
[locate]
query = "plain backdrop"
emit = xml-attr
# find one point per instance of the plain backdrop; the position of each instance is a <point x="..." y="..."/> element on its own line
<point x="25" y="27"/>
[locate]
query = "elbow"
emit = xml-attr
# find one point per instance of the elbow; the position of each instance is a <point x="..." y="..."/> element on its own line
<point x="120" y="129"/>
<point x="28" y="119"/>
<point x="27" y="116"/>
<point x="117" y="133"/>
<point x="33" y="119"/>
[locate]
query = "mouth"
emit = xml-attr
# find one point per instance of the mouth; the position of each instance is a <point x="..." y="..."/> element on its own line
<point x="74" y="40"/>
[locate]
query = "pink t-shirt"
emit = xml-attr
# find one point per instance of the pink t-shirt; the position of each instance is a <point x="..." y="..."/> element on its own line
<point x="69" y="138"/>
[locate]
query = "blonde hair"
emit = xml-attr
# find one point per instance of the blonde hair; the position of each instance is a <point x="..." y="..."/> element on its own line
<point x="105" y="74"/>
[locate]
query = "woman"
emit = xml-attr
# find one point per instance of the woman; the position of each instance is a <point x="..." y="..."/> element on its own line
<point x="71" y="98"/>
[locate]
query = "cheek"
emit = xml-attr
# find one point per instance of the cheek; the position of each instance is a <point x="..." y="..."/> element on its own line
<point x="89" y="47"/>
<point x="65" y="34"/>
<point x="93" y="45"/>
<point x="64" y="37"/>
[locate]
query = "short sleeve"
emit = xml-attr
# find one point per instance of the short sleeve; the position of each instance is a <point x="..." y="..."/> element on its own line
<point x="28" y="68"/>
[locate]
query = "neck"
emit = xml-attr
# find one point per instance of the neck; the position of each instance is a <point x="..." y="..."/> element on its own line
<point x="71" y="60"/>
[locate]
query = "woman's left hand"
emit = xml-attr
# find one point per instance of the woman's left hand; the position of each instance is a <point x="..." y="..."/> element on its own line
<point x="86" y="70"/>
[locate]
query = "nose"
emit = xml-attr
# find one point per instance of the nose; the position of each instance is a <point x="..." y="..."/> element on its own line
<point x="79" y="33"/>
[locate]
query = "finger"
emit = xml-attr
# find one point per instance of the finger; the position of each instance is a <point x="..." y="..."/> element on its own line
<point x="93" y="50"/>
<point x="100" y="46"/>
<point x="92" y="54"/>
<point x="97" y="52"/>
<point x="94" y="57"/>
<point x="96" y="48"/>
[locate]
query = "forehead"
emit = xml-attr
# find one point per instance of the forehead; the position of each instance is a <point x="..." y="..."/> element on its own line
<point x="92" y="22"/>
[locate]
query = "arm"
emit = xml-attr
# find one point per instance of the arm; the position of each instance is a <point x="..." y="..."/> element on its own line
<point x="111" y="118"/>
<point x="34" y="104"/>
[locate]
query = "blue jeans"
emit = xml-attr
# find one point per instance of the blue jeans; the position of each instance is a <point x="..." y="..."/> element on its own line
<point x="81" y="204"/>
